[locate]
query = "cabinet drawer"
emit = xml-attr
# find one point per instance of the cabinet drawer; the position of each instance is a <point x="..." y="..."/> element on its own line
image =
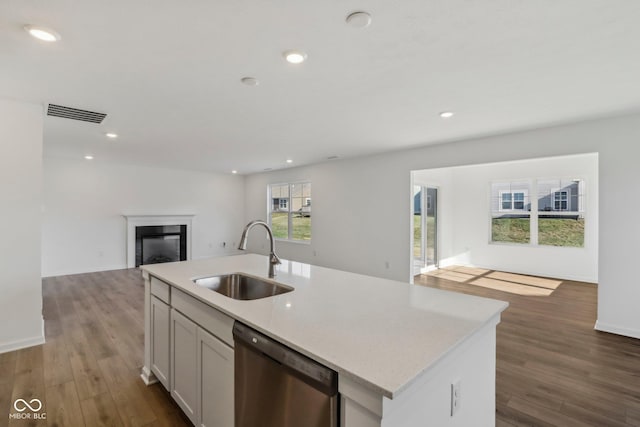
<point x="214" y="321"/>
<point x="160" y="289"/>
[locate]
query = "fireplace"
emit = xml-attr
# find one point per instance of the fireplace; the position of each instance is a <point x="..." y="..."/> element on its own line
<point x="160" y="243"/>
<point x="157" y="238"/>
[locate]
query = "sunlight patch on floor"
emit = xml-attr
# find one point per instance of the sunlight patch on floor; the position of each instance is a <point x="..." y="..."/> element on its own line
<point x="506" y="282"/>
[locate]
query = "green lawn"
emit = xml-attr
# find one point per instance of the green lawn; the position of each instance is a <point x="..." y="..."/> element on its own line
<point x="510" y="230"/>
<point x="301" y="226"/>
<point x="551" y="231"/>
<point x="561" y="232"/>
<point x="417" y="231"/>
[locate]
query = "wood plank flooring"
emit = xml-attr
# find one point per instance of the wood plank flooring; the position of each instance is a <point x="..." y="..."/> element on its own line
<point x="553" y="368"/>
<point x="88" y="372"/>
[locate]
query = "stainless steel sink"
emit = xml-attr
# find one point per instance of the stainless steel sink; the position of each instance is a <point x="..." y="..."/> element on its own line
<point x="241" y="286"/>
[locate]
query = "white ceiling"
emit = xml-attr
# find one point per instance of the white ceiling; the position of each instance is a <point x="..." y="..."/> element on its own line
<point x="168" y="73"/>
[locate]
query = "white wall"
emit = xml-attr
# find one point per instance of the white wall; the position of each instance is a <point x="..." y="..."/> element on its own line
<point x="355" y="210"/>
<point x="83" y="226"/>
<point x="21" y="323"/>
<point x="468" y="218"/>
<point x="361" y="206"/>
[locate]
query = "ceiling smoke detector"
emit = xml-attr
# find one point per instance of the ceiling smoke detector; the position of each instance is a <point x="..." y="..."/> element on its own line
<point x="358" y="20"/>
<point x="250" y="81"/>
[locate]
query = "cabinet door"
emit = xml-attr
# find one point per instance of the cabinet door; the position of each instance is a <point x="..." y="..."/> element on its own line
<point x="215" y="381"/>
<point x="160" y="333"/>
<point x="184" y="372"/>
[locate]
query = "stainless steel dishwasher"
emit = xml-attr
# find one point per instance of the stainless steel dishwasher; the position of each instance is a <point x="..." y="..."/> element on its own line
<point x="276" y="386"/>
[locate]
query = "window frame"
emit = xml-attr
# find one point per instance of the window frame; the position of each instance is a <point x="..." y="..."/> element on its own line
<point x="534" y="213"/>
<point x="306" y="203"/>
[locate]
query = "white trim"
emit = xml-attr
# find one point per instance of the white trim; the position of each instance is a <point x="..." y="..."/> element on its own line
<point x="618" y="330"/>
<point x="22" y="343"/>
<point x="147" y="376"/>
<point x="134" y="221"/>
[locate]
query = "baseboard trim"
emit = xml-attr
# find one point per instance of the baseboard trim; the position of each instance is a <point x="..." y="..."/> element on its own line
<point x="618" y="330"/>
<point x="20" y="344"/>
<point x="147" y="376"/>
<point x="84" y="271"/>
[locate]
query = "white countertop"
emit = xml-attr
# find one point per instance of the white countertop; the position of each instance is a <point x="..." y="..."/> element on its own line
<point x="381" y="333"/>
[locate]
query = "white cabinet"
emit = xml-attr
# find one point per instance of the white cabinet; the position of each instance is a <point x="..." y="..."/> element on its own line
<point x="202" y="373"/>
<point x="160" y="325"/>
<point x="215" y="381"/>
<point x="189" y="349"/>
<point x="184" y="382"/>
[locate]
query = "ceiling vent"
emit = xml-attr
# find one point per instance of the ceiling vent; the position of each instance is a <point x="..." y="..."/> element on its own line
<point x="75" y="114"/>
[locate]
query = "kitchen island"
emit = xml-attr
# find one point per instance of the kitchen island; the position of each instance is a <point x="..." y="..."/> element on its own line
<point x="406" y="355"/>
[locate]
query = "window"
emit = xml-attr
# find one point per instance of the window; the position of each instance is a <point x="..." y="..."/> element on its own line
<point x="510" y="216"/>
<point x="512" y="201"/>
<point x="560" y="200"/>
<point x="558" y="211"/>
<point x="290" y="211"/>
<point x="561" y="212"/>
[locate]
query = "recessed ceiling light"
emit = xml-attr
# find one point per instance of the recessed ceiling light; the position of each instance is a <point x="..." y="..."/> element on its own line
<point x="289" y="161"/>
<point x="234" y="172"/>
<point x="295" y="56"/>
<point x="111" y="135"/>
<point x="359" y="20"/>
<point x="250" y="81"/>
<point x="42" y="33"/>
<point x="446" y="114"/>
<point x="88" y="157"/>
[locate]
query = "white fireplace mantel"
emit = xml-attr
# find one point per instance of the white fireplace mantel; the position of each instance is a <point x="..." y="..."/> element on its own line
<point x="134" y="221"/>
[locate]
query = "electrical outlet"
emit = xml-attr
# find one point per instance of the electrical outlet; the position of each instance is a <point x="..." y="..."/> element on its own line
<point x="455" y="397"/>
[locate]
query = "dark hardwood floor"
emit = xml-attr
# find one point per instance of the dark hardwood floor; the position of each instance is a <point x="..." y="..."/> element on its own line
<point x="553" y="368"/>
<point x="88" y="372"/>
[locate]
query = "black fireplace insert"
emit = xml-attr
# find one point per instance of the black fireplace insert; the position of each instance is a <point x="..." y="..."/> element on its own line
<point x="160" y="243"/>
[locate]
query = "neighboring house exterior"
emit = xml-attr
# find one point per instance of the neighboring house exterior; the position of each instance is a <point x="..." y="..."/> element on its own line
<point x="282" y="204"/>
<point x="559" y="199"/>
<point x="554" y="196"/>
<point x="417" y="201"/>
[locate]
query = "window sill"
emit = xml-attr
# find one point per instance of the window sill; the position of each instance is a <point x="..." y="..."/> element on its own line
<point x="298" y="242"/>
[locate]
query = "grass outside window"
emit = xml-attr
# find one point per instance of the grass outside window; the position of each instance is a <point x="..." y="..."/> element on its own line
<point x="558" y="231"/>
<point x="510" y="230"/>
<point x="301" y="226"/>
<point x="561" y="232"/>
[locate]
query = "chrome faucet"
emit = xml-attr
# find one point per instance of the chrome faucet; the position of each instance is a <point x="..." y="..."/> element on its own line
<point x="273" y="258"/>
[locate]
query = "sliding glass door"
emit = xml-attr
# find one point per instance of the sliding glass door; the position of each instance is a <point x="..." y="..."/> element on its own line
<point x="425" y="226"/>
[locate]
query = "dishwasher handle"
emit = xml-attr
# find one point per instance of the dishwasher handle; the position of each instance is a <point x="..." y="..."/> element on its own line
<point x="308" y="370"/>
